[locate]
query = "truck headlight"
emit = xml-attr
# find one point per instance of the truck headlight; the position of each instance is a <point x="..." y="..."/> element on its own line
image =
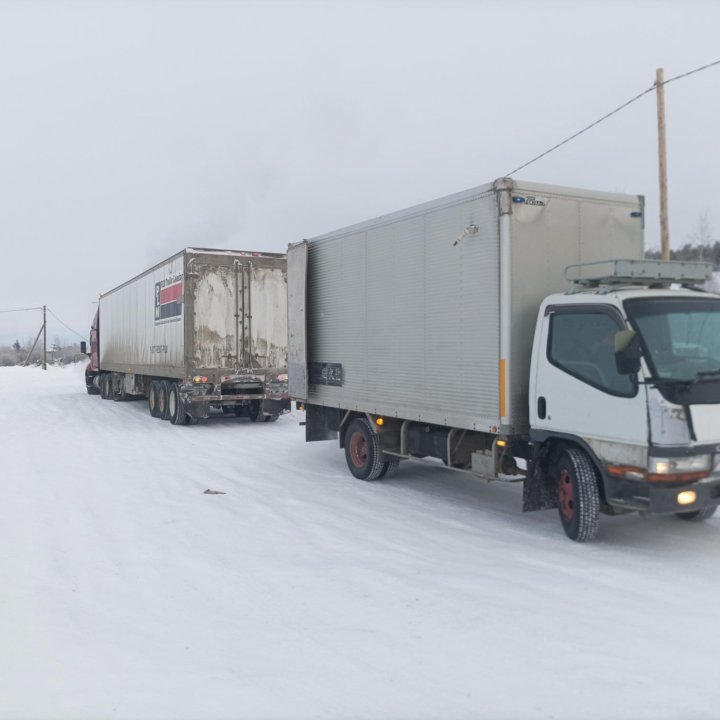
<point x="688" y="468"/>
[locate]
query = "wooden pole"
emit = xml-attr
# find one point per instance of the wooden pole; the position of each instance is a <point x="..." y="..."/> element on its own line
<point x="662" y="154"/>
<point x="44" y="329"/>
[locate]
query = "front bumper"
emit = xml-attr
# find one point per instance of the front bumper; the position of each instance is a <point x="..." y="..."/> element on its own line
<point x="659" y="498"/>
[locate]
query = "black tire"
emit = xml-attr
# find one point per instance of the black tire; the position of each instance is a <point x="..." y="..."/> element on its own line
<point x="175" y="411"/>
<point x="163" y="392"/>
<point x="253" y="410"/>
<point x="152" y="398"/>
<point x="362" y="450"/>
<point x="92" y="390"/>
<point x="271" y="418"/>
<point x="105" y="386"/>
<point x="578" y="496"/>
<point x="389" y="468"/>
<point x="698" y="515"/>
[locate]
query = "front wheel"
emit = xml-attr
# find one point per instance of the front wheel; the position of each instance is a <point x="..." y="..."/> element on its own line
<point x="578" y="496"/>
<point x="698" y="515"/>
<point x="362" y="450"/>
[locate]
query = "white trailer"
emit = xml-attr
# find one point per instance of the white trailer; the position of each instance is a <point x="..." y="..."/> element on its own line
<point x="204" y="329"/>
<point x="435" y="331"/>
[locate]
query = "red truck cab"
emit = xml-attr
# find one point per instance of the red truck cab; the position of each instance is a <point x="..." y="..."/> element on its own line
<point x="92" y="371"/>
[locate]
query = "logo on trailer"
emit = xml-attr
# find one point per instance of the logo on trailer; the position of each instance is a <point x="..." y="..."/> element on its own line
<point x="169" y="299"/>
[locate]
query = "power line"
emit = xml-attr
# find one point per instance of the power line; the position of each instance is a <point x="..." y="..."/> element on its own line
<point x="20" y="309"/>
<point x="610" y="114"/>
<point x="82" y="337"/>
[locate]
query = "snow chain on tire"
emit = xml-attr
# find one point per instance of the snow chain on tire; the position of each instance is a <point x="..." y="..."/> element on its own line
<point x="587" y="502"/>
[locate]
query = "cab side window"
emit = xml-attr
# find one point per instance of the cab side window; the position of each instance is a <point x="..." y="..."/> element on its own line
<point x="582" y="344"/>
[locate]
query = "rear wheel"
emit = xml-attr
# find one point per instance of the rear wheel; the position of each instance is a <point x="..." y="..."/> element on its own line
<point x="162" y="405"/>
<point x="105" y="386"/>
<point x="362" y="450"/>
<point x="152" y="398"/>
<point x="176" y="412"/>
<point x="578" y="496"/>
<point x="389" y="468"/>
<point x="253" y="410"/>
<point x="698" y="515"/>
<point x="271" y="418"/>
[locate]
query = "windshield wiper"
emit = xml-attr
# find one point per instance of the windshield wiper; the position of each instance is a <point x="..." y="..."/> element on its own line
<point x="707" y="373"/>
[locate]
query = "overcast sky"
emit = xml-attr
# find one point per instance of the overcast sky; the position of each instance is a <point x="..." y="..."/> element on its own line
<point x="129" y="130"/>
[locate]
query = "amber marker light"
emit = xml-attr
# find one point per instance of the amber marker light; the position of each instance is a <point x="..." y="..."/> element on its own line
<point x="686" y="497"/>
<point x="379" y="421"/>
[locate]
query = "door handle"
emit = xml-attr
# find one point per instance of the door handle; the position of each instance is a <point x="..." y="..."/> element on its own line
<point x="541" y="407"/>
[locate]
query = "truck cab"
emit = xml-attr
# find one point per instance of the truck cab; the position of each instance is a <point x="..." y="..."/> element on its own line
<point x="625" y="395"/>
<point x="92" y="370"/>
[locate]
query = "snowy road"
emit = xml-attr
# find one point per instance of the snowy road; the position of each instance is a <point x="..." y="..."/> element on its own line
<point x="126" y="592"/>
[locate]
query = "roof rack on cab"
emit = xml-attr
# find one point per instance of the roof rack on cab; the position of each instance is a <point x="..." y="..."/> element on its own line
<point x="650" y="273"/>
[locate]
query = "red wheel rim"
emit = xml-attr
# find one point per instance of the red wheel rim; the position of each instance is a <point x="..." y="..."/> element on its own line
<point x="566" y="495"/>
<point x="358" y="449"/>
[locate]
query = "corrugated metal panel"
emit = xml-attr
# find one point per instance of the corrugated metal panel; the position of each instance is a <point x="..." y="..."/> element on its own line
<point x="297" y="327"/>
<point x="556" y="227"/>
<point x="409" y="315"/>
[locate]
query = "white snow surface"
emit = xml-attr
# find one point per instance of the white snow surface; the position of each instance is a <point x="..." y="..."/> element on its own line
<point x="126" y="592"/>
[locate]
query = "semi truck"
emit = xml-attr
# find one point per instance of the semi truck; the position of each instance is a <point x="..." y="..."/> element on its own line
<point x="488" y="330"/>
<point x="204" y="331"/>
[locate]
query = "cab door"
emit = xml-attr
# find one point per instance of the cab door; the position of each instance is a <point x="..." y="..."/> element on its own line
<point x="576" y="388"/>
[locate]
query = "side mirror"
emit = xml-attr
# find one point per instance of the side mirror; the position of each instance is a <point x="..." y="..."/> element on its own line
<point x="627" y="352"/>
<point x="83" y="347"/>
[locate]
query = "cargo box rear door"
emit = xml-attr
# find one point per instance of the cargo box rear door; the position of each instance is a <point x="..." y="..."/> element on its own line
<point x="217" y="315"/>
<point x="297" y="295"/>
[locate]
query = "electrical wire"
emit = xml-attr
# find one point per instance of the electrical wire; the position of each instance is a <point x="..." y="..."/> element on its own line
<point x="611" y="113"/>
<point x="82" y="337"/>
<point x="20" y="309"/>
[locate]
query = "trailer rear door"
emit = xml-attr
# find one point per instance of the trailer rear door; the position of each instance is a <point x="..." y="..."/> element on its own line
<point x="297" y="327"/>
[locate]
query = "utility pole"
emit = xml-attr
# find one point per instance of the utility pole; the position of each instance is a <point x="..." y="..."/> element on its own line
<point x="44" y="338"/>
<point x="662" y="153"/>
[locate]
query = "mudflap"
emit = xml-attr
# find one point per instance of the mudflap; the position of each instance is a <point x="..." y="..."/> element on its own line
<point x="275" y="407"/>
<point x="539" y="491"/>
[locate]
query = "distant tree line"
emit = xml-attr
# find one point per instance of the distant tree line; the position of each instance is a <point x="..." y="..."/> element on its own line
<point x="57" y="353"/>
<point x="702" y="253"/>
<point x="702" y="247"/>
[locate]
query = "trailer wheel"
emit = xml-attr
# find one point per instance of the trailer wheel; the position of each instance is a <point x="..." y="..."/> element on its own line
<point x="389" y="468"/>
<point x="578" y="496"/>
<point x="105" y="386"/>
<point x="152" y="398"/>
<point x="362" y="450"/>
<point x="176" y="412"/>
<point x="698" y="515"/>
<point x="253" y="410"/>
<point x="271" y="418"/>
<point x="162" y="405"/>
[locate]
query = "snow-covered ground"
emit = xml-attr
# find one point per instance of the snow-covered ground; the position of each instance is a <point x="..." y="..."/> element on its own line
<point x="126" y="592"/>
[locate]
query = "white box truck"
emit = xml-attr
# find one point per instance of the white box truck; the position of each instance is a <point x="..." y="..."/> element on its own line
<point x="205" y="329"/>
<point x="457" y="330"/>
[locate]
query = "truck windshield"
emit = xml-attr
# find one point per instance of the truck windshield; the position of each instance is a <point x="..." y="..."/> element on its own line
<point x="681" y="337"/>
